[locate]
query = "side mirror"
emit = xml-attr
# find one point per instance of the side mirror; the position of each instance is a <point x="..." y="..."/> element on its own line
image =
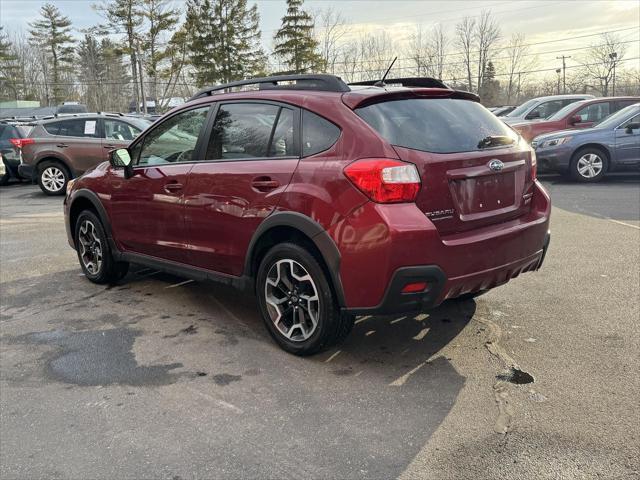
<point x="631" y="127"/>
<point x="532" y="115"/>
<point x="575" y="119"/>
<point x="120" y="158"/>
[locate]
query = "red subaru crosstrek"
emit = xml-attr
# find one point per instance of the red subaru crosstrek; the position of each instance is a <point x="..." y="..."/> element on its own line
<point x="327" y="200"/>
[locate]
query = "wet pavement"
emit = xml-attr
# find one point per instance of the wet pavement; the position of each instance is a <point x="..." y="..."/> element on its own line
<point x="160" y="378"/>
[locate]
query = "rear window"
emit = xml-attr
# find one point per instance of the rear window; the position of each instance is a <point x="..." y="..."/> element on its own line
<point x="318" y="134"/>
<point x="435" y="125"/>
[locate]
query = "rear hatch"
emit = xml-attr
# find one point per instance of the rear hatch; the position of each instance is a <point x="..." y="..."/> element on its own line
<point x="475" y="171"/>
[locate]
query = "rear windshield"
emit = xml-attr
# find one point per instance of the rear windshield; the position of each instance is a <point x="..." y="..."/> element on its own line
<point x="436" y="125"/>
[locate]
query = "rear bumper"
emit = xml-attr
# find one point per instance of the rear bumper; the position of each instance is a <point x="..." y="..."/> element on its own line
<point x="397" y="244"/>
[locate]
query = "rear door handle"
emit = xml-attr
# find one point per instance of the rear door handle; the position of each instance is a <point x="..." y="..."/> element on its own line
<point x="173" y="187"/>
<point x="264" y="184"/>
<point x="62" y="145"/>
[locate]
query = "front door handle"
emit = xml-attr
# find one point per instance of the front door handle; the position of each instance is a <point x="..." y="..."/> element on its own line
<point x="62" y="145"/>
<point x="110" y="146"/>
<point x="173" y="187"/>
<point x="264" y="184"/>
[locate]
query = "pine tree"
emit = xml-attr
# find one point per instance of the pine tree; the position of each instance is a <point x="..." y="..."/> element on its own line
<point x="294" y="42"/>
<point x="11" y="77"/>
<point x="224" y="40"/>
<point x="201" y="41"/>
<point x="489" y="91"/>
<point x="160" y="18"/>
<point x="125" y="16"/>
<point x="53" y="34"/>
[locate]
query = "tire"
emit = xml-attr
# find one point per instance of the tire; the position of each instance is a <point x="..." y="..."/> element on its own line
<point x="589" y="165"/>
<point x="289" y="273"/>
<point x="94" y="252"/>
<point x="4" y="179"/>
<point x="53" y="178"/>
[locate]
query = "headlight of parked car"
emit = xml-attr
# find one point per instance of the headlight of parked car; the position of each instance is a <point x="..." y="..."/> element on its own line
<point x="555" y="142"/>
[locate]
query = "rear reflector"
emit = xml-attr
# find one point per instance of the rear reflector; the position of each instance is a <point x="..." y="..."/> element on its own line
<point x="534" y="166"/>
<point x="384" y="180"/>
<point x="415" y="287"/>
<point x="20" y="142"/>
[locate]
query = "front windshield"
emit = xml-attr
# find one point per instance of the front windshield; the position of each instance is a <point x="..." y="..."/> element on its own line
<point x="617" y="118"/>
<point x="560" y="114"/>
<point x="522" y="108"/>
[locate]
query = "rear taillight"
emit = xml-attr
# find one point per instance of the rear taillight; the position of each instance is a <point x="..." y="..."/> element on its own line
<point x="534" y="166"/>
<point x="21" y="142"/>
<point x="384" y="180"/>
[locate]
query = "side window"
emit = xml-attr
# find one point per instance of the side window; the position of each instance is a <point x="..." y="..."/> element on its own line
<point x="545" y="109"/>
<point x="78" y="127"/>
<point x="318" y="134"/>
<point x="251" y="130"/>
<point x="635" y="119"/>
<point x="593" y="113"/>
<point x="117" y="130"/>
<point x="620" y="104"/>
<point x="52" y="128"/>
<point x="174" y="140"/>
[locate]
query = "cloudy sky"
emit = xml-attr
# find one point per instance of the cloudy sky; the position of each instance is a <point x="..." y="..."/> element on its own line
<point x="554" y="25"/>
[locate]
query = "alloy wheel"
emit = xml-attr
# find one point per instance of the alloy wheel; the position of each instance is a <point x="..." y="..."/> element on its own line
<point x="292" y="300"/>
<point x="90" y="247"/>
<point x="53" y="179"/>
<point x="590" y="165"/>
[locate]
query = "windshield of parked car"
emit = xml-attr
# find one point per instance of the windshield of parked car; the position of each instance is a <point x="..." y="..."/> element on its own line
<point x="442" y="125"/>
<point x="518" y="112"/>
<point x="141" y="123"/>
<point x="612" y="121"/>
<point x="560" y="114"/>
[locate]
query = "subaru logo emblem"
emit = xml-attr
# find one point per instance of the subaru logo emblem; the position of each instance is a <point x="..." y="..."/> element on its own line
<point x="496" y="165"/>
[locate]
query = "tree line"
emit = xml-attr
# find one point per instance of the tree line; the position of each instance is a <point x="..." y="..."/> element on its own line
<point x="147" y="49"/>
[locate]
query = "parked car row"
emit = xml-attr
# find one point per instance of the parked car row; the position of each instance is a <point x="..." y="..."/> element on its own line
<point x="51" y="152"/>
<point x="603" y="141"/>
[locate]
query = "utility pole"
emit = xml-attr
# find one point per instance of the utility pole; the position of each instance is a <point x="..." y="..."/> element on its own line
<point x="564" y="72"/>
<point x="558" y="70"/>
<point x="614" y="58"/>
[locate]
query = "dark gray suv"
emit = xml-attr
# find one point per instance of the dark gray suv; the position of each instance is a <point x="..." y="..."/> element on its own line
<point x="62" y="148"/>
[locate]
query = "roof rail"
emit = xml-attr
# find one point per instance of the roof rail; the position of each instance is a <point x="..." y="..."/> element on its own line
<point x="415" y="82"/>
<point x="320" y="82"/>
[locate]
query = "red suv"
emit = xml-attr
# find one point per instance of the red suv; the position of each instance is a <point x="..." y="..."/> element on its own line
<point x="582" y="114"/>
<point x="327" y="200"/>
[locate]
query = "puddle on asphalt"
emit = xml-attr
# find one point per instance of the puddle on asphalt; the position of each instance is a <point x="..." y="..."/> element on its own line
<point x="517" y="376"/>
<point x="100" y="357"/>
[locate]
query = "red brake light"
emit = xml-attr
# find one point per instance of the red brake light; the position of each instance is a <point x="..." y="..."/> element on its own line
<point x="21" y="142"/>
<point x="384" y="180"/>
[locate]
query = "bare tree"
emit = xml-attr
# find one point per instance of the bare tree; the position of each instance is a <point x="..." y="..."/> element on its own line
<point x="601" y="61"/>
<point x="487" y="34"/>
<point x="465" y="37"/>
<point x="428" y="51"/>
<point x="330" y="29"/>
<point x="518" y="63"/>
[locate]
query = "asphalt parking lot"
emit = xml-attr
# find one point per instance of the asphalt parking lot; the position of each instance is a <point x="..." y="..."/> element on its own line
<point x="157" y="377"/>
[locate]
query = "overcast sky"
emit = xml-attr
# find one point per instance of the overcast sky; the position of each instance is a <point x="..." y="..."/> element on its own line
<point x="540" y="20"/>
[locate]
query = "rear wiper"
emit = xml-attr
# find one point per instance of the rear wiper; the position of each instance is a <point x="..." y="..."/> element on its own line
<point x="494" y="140"/>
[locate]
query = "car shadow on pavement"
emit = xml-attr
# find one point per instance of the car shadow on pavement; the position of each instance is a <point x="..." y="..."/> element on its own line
<point x="365" y="408"/>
